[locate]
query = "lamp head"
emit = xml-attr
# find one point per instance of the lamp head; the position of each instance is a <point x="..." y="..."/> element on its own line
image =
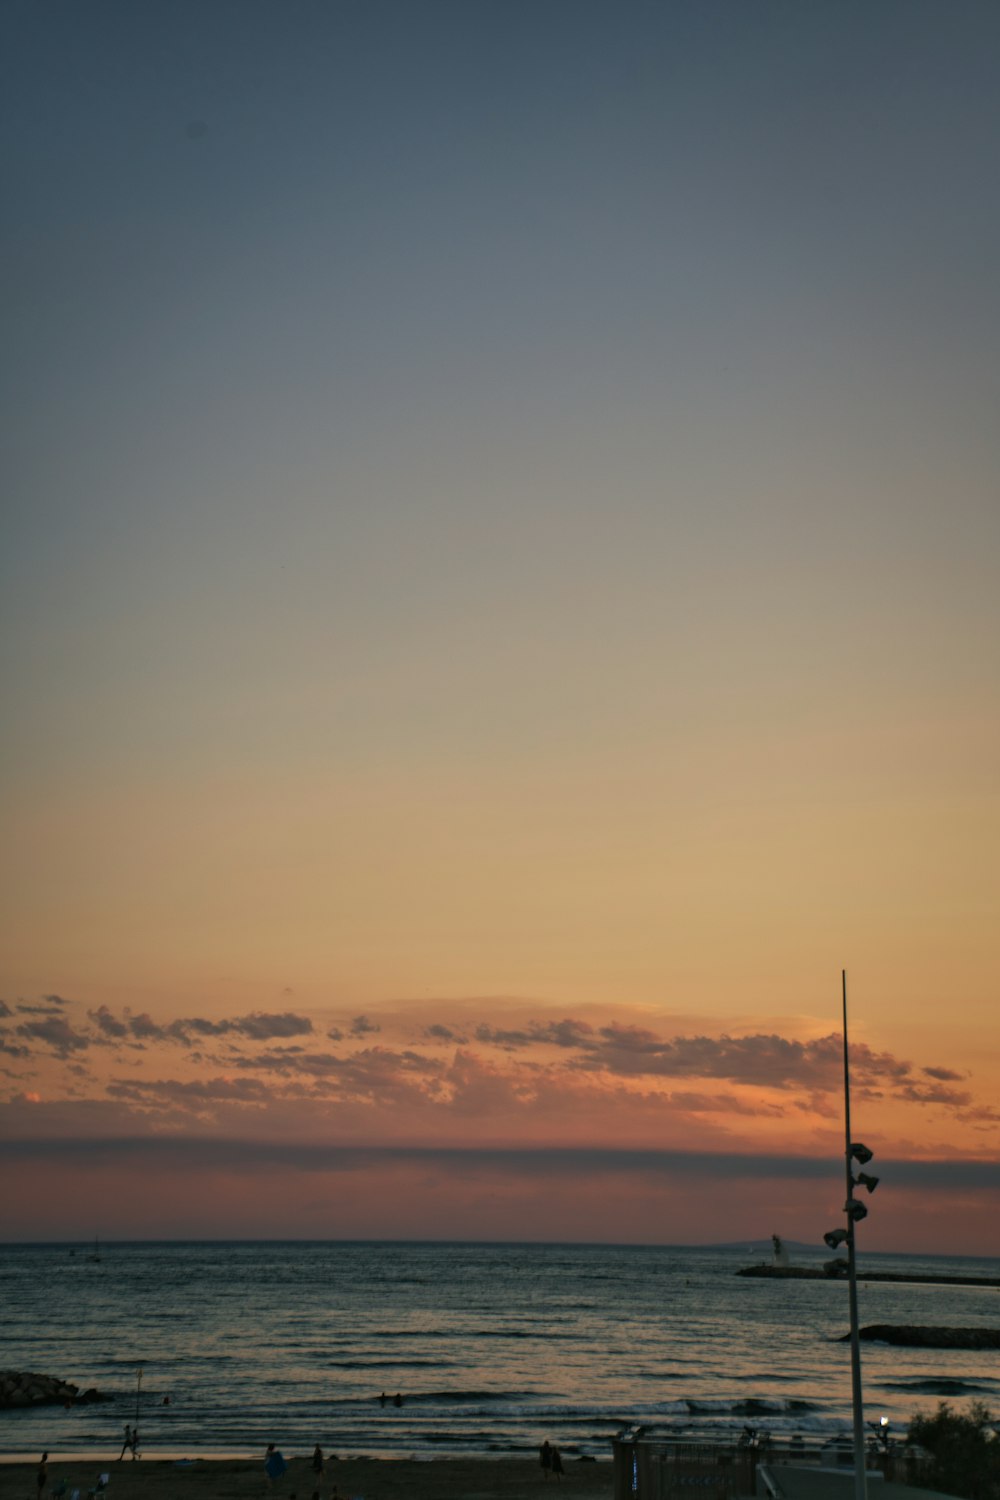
<point x="835" y="1238"/>
<point x="861" y="1153"/>
<point x="865" y="1181"/>
<point x="855" y="1210"/>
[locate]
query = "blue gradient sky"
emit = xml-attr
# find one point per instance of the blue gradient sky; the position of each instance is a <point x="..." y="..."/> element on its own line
<point x="501" y="500"/>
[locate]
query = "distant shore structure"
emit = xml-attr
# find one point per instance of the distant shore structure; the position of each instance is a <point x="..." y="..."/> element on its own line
<point x="832" y="1272"/>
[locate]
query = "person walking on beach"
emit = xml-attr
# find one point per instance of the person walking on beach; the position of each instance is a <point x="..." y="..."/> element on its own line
<point x="545" y="1458"/>
<point x="318" y="1461"/>
<point x="42" y="1477"/>
<point x="127" y="1445"/>
<point x="557" y="1467"/>
<point x="274" y="1465"/>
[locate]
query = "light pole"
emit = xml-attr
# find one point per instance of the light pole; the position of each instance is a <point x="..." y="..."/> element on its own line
<point x="855" y="1211"/>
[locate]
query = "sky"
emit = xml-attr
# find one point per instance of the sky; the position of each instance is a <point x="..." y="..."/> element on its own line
<point x="499" y="609"/>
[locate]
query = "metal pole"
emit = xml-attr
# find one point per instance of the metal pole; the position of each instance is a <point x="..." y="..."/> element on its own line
<point x="860" y="1478"/>
<point x="138" y="1385"/>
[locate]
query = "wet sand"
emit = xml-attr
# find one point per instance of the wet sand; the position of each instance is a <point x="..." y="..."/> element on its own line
<point x="354" y="1478"/>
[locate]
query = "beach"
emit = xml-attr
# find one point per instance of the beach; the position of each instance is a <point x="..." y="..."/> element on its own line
<point x="354" y="1479"/>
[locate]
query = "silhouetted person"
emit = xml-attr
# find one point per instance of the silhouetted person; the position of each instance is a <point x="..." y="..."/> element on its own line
<point x="382" y="1399"/>
<point x="274" y="1465"/>
<point x="127" y="1444"/>
<point x="545" y="1459"/>
<point x="557" y="1467"/>
<point x="317" y="1459"/>
<point x="42" y="1477"/>
<point x="397" y="1399"/>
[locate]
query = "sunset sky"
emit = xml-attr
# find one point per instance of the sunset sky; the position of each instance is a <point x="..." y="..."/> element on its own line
<point x="500" y="605"/>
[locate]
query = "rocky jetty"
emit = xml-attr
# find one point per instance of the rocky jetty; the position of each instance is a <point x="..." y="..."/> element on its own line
<point x="835" y="1270"/>
<point x="787" y="1273"/>
<point x="25" y="1388"/>
<point x="918" y="1336"/>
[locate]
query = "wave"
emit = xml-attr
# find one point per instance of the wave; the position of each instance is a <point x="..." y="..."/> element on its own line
<point x="541" y="1330"/>
<point x="408" y="1333"/>
<point x="753" y="1406"/>
<point x="448" y="1398"/>
<point x="390" y="1364"/>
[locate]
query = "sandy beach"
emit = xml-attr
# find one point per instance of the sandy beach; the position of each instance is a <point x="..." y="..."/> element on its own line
<point x="348" y="1479"/>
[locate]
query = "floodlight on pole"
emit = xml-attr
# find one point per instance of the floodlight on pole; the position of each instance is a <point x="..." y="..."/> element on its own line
<point x="880" y="1429"/>
<point x="856" y="1151"/>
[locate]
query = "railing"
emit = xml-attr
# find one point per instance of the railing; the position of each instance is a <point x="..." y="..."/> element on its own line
<point x="681" y="1469"/>
<point x="661" y="1467"/>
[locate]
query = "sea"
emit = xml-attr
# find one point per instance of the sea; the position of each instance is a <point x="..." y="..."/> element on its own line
<point x="222" y="1348"/>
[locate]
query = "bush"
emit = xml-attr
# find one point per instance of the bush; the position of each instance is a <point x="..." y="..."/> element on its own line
<point x="963" y="1453"/>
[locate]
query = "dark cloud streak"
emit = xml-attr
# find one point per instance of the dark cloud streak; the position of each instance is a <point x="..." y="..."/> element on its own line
<point x="57" y="1033"/>
<point x="215" y="1153"/>
<point x="764" y="1060"/>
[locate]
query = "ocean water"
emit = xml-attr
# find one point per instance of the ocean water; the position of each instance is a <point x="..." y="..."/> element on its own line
<point x="492" y="1347"/>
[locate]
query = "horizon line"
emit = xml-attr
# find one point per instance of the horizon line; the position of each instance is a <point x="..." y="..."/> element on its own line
<point x="752" y="1242"/>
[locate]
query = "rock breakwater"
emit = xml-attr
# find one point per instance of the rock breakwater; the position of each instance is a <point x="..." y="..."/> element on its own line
<point x="26" y="1388"/>
<point x="922" y="1336"/>
<point x="834" y="1271"/>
